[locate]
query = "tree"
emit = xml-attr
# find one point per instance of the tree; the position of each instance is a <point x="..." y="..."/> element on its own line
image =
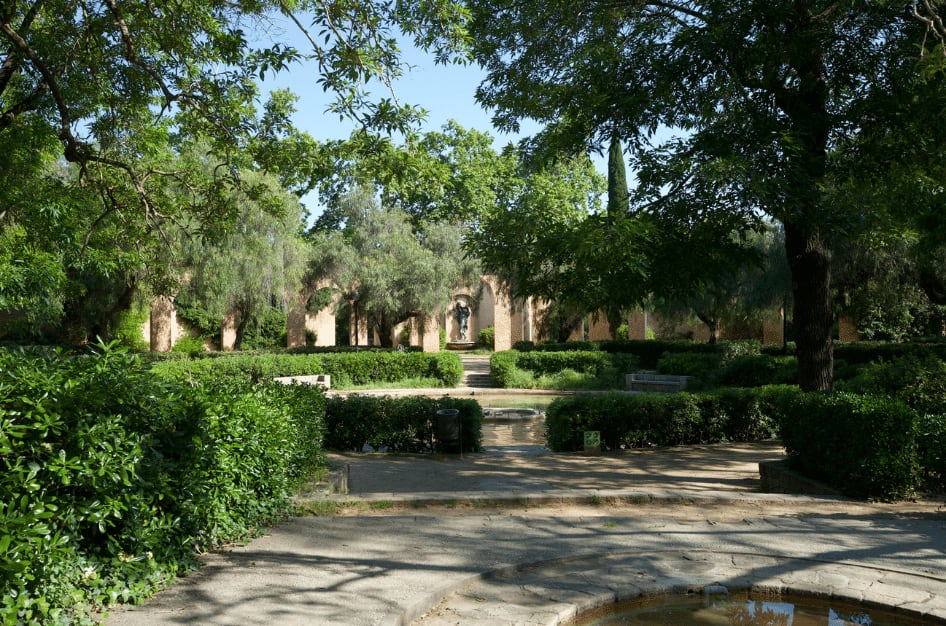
<point x="252" y="267"/>
<point x="765" y="93"/>
<point x="398" y="272"/>
<point x="544" y="241"/>
<point x="451" y="175"/>
<point x="113" y="89"/>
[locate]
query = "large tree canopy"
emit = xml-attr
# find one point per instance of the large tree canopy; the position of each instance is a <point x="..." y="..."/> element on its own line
<point x="771" y="98"/>
<point x="98" y="96"/>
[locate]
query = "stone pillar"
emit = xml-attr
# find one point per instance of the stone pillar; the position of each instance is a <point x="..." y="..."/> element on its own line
<point x="429" y="333"/>
<point x="517" y="323"/>
<point x="847" y="329"/>
<point x="162" y="324"/>
<point x="502" y="317"/>
<point x="228" y="331"/>
<point x="773" y="329"/>
<point x="637" y="325"/>
<point x="599" y="329"/>
<point x="296" y="318"/>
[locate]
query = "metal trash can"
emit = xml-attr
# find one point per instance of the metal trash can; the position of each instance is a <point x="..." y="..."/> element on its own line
<point x="447" y="428"/>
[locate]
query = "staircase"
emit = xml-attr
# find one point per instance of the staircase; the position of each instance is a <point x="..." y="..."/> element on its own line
<point x="476" y="371"/>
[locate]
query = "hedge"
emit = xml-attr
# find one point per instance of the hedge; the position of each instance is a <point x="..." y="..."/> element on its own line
<point x="643" y="420"/>
<point x="357" y="368"/>
<point x="397" y="424"/>
<point x="112" y="479"/>
<point x="505" y="366"/>
<point x="866" y="446"/>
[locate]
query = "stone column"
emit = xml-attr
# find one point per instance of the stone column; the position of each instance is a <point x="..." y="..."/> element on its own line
<point x="773" y="329"/>
<point x="163" y="318"/>
<point x="228" y="331"/>
<point x="847" y="329"/>
<point x="429" y="333"/>
<point x="296" y="318"/>
<point x="599" y="330"/>
<point x="637" y="325"/>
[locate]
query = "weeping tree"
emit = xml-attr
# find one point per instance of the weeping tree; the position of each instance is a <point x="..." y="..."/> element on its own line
<point x="241" y="273"/>
<point x="385" y="267"/>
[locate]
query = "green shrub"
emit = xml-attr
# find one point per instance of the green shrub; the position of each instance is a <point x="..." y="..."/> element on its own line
<point x="758" y="370"/>
<point x="541" y="362"/>
<point x="358" y="368"/>
<point x="642" y="420"/>
<point x="398" y="424"/>
<point x="487" y="337"/>
<point x="863" y="445"/>
<point x="502" y="366"/>
<point x="931" y="450"/>
<point x="189" y="345"/>
<point x="111" y="477"/>
<point x="700" y="366"/>
<point x="560" y="370"/>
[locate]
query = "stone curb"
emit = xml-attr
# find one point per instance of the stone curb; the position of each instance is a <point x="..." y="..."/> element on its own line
<point x="570" y="497"/>
<point x="569" y="587"/>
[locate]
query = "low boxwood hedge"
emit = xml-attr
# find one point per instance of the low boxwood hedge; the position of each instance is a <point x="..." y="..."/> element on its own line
<point x="867" y="446"/>
<point x="507" y="367"/>
<point x="111" y="478"/>
<point x="359" y="368"/>
<point x="397" y="424"/>
<point x="642" y="420"/>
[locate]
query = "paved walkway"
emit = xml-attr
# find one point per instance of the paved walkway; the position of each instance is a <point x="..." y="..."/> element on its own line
<point x="516" y="535"/>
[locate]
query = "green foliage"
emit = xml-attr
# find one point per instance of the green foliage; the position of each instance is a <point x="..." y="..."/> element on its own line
<point x="189" y="345"/>
<point x="649" y="351"/>
<point x="862" y="445"/>
<point x="758" y="370"/>
<point x="128" y="328"/>
<point x="487" y="337"/>
<point x="357" y="368"/>
<point x="111" y="479"/>
<point x="389" y="272"/>
<point x="396" y="424"/>
<point x="560" y="370"/>
<point x="698" y="365"/>
<point x="643" y="420"/>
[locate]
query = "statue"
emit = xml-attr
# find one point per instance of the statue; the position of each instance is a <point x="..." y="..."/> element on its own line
<point x="462" y="313"/>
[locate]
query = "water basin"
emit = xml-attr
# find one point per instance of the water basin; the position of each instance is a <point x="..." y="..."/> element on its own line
<point x="747" y="609"/>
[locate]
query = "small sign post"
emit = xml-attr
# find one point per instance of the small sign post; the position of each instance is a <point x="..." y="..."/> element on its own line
<point x="592" y="442"/>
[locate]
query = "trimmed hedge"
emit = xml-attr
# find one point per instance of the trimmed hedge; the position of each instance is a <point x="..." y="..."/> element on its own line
<point x="641" y="420"/>
<point x="359" y="368"/>
<point x="867" y="446"/>
<point x="112" y="478"/>
<point x="863" y="445"/>
<point x="507" y="367"/>
<point x="398" y="424"/>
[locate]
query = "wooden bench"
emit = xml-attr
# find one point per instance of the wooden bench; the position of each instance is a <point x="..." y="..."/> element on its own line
<point x="659" y="383"/>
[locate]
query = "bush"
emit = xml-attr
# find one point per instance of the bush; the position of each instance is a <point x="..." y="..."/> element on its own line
<point x="399" y="424"/>
<point x="112" y="478"/>
<point x="638" y="420"/>
<point x="487" y="337"/>
<point x="571" y="369"/>
<point x="759" y="370"/>
<point x="863" y="445"/>
<point x="357" y="368"/>
<point x="700" y="366"/>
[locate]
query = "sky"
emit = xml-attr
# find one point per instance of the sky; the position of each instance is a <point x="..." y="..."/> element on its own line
<point x="445" y="91"/>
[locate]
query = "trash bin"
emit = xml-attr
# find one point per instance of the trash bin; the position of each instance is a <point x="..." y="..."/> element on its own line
<point x="447" y="428"/>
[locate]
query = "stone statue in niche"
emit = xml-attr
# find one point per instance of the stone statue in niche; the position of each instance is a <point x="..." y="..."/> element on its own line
<point x="462" y="313"/>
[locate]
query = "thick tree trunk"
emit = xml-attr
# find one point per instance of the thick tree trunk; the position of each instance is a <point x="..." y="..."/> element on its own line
<point x="812" y="318"/>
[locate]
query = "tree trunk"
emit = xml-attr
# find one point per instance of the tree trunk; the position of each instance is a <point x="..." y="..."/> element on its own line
<point x="812" y="317"/>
